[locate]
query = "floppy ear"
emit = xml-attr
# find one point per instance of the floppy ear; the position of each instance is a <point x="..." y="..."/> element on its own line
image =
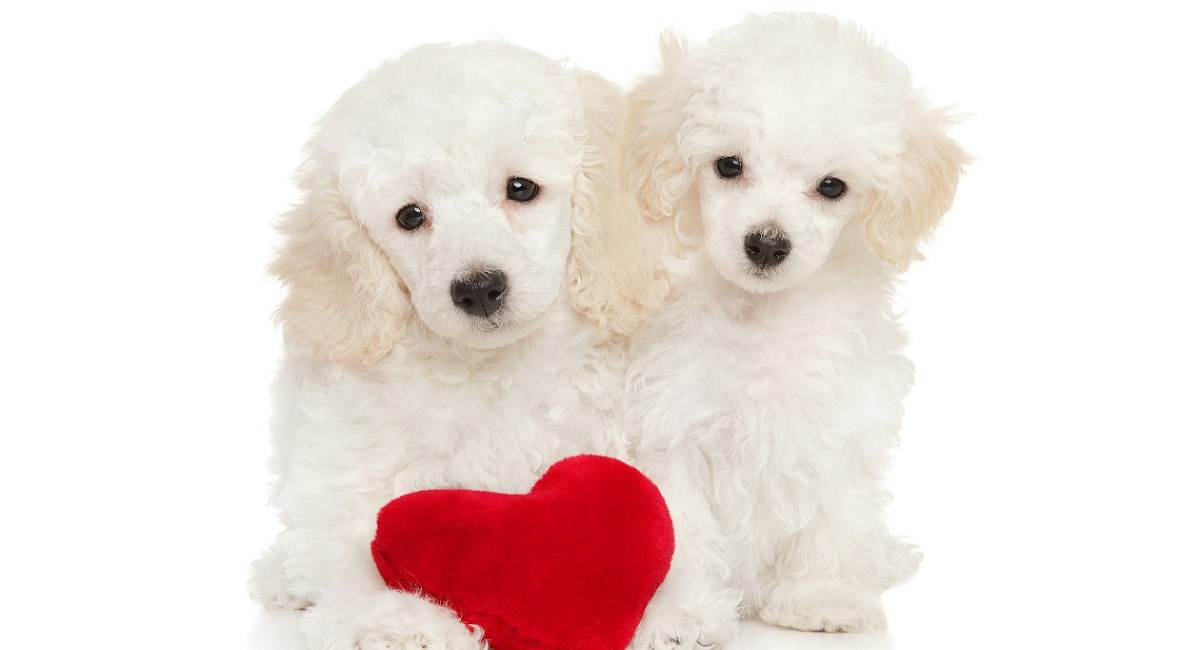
<point x="656" y="172"/>
<point x="613" y="272"/>
<point x="345" y="304"/>
<point x="900" y="217"/>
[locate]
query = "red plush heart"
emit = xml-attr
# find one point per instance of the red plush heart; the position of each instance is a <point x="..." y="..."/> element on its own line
<point x="572" y="564"/>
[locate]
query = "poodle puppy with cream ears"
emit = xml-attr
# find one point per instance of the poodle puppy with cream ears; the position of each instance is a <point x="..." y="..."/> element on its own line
<point x="456" y="316"/>
<point x="791" y="171"/>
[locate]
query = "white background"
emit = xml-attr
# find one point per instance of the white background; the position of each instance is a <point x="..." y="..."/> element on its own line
<point x="1049" y="461"/>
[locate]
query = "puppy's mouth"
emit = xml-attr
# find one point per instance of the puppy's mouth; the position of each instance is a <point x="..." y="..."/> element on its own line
<point x="501" y="328"/>
<point x="493" y="322"/>
<point x="763" y="272"/>
<point x="757" y="277"/>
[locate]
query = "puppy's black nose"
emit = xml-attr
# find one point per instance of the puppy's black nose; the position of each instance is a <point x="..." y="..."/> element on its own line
<point x="767" y="250"/>
<point x="480" y="293"/>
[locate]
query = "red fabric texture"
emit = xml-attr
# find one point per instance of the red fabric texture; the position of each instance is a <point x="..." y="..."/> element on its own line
<point x="570" y="565"/>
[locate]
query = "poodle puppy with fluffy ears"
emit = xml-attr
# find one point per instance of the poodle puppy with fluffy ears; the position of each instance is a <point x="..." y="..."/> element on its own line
<point x="456" y="315"/>
<point x="792" y="171"/>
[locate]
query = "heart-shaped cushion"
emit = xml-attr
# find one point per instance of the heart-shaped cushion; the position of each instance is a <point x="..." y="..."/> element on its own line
<point x="570" y="565"/>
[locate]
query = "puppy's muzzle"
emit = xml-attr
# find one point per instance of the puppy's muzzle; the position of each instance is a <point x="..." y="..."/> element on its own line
<point x="766" y="250"/>
<point x="480" y="293"/>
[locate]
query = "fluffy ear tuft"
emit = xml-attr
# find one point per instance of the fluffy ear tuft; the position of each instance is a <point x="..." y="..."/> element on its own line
<point x="901" y="217"/>
<point x="612" y="272"/>
<point x="656" y="173"/>
<point x="345" y="304"/>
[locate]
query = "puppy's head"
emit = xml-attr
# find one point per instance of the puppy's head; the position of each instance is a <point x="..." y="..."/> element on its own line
<point x="766" y="144"/>
<point x="462" y="186"/>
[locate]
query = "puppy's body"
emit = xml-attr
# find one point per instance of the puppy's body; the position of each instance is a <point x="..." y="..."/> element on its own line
<point x="431" y="415"/>
<point x="446" y="327"/>
<point x="769" y="419"/>
<point x="792" y="171"/>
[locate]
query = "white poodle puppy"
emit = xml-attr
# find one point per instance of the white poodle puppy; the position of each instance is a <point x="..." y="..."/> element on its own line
<point x="793" y="171"/>
<point x="456" y="305"/>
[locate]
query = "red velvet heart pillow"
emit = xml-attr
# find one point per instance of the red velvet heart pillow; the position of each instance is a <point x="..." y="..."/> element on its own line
<point x="572" y="564"/>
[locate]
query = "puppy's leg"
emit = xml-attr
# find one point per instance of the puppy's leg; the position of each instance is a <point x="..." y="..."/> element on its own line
<point x="693" y="608"/>
<point x="353" y="609"/>
<point x="833" y="572"/>
<point x="268" y="583"/>
<point x="347" y="618"/>
<point x="829" y="575"/>
<point x="326" y="560"/>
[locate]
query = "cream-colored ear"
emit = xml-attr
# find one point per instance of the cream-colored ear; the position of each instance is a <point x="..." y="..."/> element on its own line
<point x="613" y="271"/>
<point x="900" y="217"/>
<point x="345" y="304"/>
<point x="656" y="171"/>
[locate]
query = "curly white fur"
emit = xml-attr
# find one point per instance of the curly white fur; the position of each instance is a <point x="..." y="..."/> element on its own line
<point x="387" y="387"/>
<point x="763" y="402"/>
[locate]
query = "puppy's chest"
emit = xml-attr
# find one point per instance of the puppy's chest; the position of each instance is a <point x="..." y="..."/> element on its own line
<point x="514" y="398"/>
<point x="498" y="429"/>
<point x="759" y="372"/>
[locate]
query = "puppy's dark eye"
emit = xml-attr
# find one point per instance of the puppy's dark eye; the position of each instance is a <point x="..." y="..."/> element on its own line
<point x="832" y="188"/>
<point x="410" y="217"/>
<point x="522" y="189"/>
<point x="729" y="166"/>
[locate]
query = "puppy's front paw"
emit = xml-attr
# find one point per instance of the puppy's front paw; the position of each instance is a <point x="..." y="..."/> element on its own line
<point x="689" y="623"/>
<point x="388" y="620"/>
<point x="267" y="585"/>
<point x="824" y="608"/>
<point x="417" y="640"/>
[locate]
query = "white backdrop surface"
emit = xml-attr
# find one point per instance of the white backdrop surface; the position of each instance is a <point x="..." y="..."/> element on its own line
<point x="1049" y="456"/>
